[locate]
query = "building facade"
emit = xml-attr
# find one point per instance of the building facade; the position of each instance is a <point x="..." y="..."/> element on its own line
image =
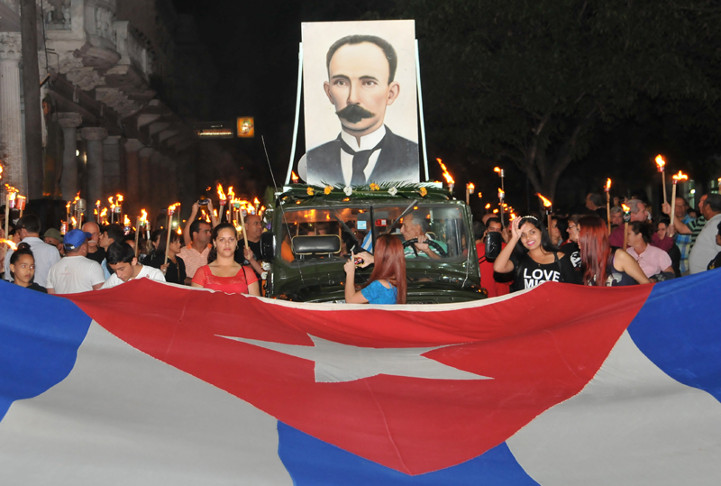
<point x="118" y="99"/>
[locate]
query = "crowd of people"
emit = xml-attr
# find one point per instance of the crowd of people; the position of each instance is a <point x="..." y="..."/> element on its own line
<point x="579" y="248"/>
<point x="626" y="248"/>
<point x="93" y="257"/>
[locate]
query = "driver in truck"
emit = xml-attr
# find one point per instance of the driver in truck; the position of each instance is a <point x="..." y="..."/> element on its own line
<point x="418" y="242"/>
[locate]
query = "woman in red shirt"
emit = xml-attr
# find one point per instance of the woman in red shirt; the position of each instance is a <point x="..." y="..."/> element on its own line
<point x="223" y="272"/>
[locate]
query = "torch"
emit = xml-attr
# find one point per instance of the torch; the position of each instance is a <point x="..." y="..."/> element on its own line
<point x="222" y="200"/>
<point x="256" y="204"/>
<point x="112" y="209"/>
<point x="294" y="177"/>
<point x="137" y="236"/>
<point x="171" y="210"/>
<point x="231" y="198"/>
<point x="242" y="225"/>
<point x="470" y="188"/>
<point x="548" y="206"/>
<point x="446" y="175"/>
<point x="20" y="204"/>
<point x="80" y="210"/>
<point x="144" y="222"/>
<point x="10" y="193"/>
<point x="501" y="174"/>
<point x="97" y="212"/>
<point x="676" y="177"/>
<point x="626" y="219"/>
<point x="501" y="195"/>
<point x="119" y="207"/>
<point x="661" y="166"/>
<point x="607" y="188"/>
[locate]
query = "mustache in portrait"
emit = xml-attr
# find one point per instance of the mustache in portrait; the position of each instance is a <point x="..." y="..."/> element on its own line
<point x="354" y="113"/>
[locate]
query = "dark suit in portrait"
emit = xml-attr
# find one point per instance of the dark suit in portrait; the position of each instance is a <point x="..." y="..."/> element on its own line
<point x="397" y="161"/>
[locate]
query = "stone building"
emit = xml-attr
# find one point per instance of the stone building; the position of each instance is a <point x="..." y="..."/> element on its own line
<point x="118" y="97"/>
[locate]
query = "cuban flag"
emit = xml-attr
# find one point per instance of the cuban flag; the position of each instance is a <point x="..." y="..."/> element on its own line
<point x="149" y="383"/>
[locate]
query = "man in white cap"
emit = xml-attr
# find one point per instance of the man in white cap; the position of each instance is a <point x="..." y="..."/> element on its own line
<point x="75" y="273"/>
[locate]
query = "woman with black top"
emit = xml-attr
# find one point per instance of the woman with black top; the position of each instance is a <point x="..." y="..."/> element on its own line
<point x="174" y="270"/>
<point x="530" y="255"/>
<point x="602" y="265"/>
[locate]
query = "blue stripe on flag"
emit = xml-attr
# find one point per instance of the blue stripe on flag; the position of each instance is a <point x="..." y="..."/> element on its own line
<point x="679" y="329"/>
<point x="313" y="462"/>
<point x="39" y="339"/>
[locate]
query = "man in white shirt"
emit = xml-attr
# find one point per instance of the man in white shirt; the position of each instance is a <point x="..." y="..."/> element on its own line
<point x="45" y="255"/>
<point x="121" y="259"/>
<point x="75" y="273"/>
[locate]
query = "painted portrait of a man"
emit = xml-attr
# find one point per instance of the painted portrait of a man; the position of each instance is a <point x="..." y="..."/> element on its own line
<point x="361" y="85"/>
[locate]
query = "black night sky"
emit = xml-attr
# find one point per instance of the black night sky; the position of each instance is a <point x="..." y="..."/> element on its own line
<point x="254" y="46"/>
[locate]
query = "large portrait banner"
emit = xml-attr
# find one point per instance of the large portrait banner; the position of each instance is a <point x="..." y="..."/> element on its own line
<point x="360" y="103"/>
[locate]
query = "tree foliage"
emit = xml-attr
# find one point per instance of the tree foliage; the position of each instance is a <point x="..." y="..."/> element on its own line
<point x="533" y="82"/>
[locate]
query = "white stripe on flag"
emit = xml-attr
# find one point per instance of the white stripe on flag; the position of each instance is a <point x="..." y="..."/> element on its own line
<point x="631" y="421"/>
<point x="122" y="417"/>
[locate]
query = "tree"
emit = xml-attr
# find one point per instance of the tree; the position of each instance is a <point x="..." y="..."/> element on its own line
<point x="531" y="82"/>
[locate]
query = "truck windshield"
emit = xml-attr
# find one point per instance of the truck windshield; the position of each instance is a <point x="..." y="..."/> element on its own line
<point x="443" y="227"/>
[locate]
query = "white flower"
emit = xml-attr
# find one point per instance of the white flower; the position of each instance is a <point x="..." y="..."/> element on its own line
<point x="348" y="190"/>
<point x="393" y="191"/>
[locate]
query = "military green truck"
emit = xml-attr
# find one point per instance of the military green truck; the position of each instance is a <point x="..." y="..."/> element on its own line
<point x="315" y="229"/>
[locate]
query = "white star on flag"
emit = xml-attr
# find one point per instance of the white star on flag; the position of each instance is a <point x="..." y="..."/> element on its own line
<point x="335" y="362"/>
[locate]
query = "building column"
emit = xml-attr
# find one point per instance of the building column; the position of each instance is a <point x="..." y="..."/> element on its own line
<point x="144" y="155"/>
<point x="161" y="179"/>
<point x="112" y="165"/>
<point x="94" y="137"/>
<point x="132" y="176"/>
<point x="69" y="186"/>
<point x="11" y="123"/>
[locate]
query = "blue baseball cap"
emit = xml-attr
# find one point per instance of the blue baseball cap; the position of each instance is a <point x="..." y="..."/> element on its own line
<point x="74" y="239"/>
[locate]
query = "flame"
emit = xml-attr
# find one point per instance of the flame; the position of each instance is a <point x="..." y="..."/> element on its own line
<point x="11" y="191"/>
<point x="97" y="203"/>
<point x="77" y="197"/>
<point x="221" y="194"/>
<point x="679" y="177"/>
<point x="546" y="202"/>
<point x="446" y="175"/>
<point x="231" y="194"/>
<point x="488" y="206"/>
<point x="294" y="177"/>
<point x="143" y="217"/>
<point x="118" y="198"/>
<point x="172" y="208"/>
<point x="497" y="170"/>
<point x="104" y="213"/>
<point x="126" y="221"/>
<point x="608" y="185"/>
<point x="1" y="171"/>
<point x="74" y="221"/>
<point x="512" y="216"/>
<point x="9" y="243"/>
<point x="470" y="187"/>
<point x="256" y="201"/>
<point x="501" y="194"/>
<point x="660" y="162"/>
<point x="626" y="209"/>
